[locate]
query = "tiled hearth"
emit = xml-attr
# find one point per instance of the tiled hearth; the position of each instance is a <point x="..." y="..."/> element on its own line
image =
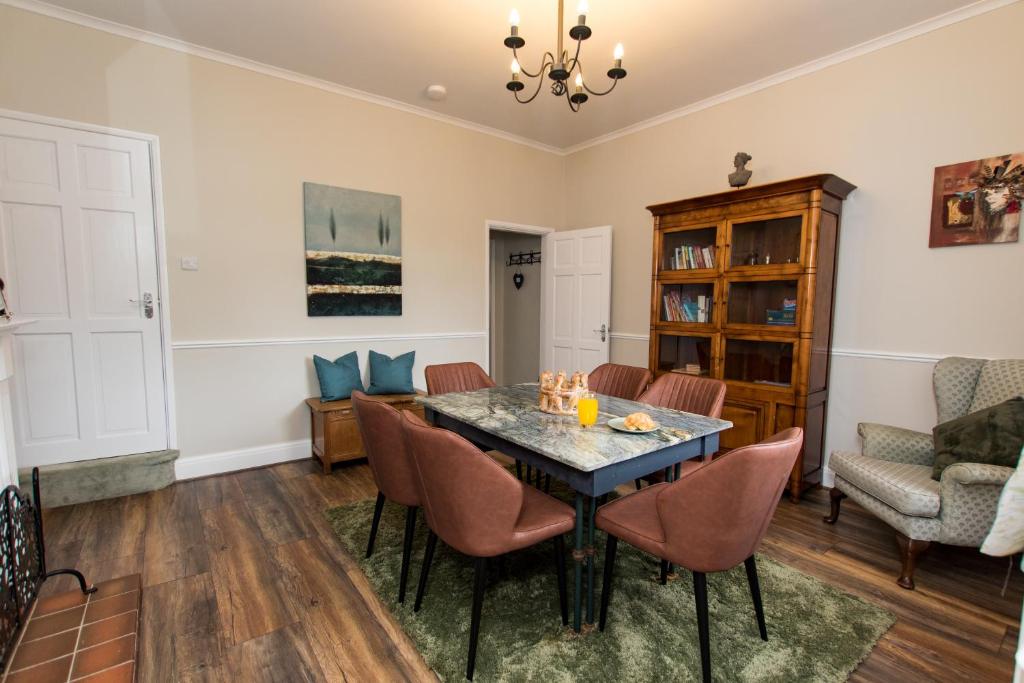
<point x="75" y="637"/>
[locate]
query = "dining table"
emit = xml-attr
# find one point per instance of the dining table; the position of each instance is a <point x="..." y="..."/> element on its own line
<point x="591" y="460"/>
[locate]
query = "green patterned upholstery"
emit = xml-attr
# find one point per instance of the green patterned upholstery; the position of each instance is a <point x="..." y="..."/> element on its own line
<point x="892" y="476"/>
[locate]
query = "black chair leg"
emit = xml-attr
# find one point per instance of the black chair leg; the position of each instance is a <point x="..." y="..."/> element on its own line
<point x="410" y="529"/>
<point x="602" y="500"/>
<point x="519" y="470"/>
<point x="637" y="483"/>
<point x="664" y="572"/>
<point x="478" y="601"/>
<point x="377" y="510"/>
<point x="547" y="483"/>
<point x="563" y="600"/>
<point x="428" y="557"/>
<point x="606" y="587"/>
<point x="755" y="593"/>
<point x="529" y="474"/>
<point x="700" y="592"/>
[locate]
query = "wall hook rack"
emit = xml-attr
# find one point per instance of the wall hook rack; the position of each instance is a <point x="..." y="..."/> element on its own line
<point x="523" y="258"/>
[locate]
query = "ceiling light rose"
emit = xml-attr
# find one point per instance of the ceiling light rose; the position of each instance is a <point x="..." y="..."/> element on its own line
<point x="560" y="67"/>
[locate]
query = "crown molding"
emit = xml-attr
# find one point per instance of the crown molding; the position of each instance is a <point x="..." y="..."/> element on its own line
<point x="150" y="38"/>
<point x="867" y="47"/>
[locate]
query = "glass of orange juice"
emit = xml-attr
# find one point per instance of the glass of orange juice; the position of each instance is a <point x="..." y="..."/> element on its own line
<point x="587" y="410"/>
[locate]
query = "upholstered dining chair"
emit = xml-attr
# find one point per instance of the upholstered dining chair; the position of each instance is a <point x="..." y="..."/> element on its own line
<point x="380" y="425"/>
<point x="710" y="520"/>
<point x="449" y="377"/>
<point x="477" y="508"/>
<point x="621" y="381"/>
<point x="689" y="394"/>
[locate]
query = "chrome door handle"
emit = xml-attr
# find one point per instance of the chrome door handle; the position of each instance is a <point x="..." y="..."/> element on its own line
<point x="603" y="331"/>
<point x="147" y="304"/>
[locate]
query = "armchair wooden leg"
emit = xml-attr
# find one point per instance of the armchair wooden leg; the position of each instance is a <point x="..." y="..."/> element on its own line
<point x="606" y="588"/>
<point x="428" y="557"/>
<point x="479" y="582"/>
<point x="377" y="510"/>
<point x="910" y="550"/>
<point x="700" y="593"/>
<point x="835" y="497"/>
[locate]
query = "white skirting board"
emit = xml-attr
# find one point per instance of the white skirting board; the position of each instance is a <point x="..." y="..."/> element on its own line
<point x="241" y="459"/>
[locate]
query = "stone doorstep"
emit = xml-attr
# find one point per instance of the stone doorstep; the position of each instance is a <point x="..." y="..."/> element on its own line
<point x="74" y="637"/>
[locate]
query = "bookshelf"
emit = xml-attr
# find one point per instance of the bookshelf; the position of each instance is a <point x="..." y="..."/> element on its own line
<point x="742" y="291"/>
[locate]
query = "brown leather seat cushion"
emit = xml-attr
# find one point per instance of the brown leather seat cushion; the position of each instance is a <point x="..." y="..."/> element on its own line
<point x="634" y="519"/>
<point x="541" y="518"/>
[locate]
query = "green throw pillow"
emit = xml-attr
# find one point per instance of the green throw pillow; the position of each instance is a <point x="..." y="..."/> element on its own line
<point x="993" y="436"/>
<point x="338" y="379"/>
<point x="391" y="375"/>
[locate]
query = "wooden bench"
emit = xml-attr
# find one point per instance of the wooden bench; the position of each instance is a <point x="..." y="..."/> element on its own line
<point x="335" y="432"/>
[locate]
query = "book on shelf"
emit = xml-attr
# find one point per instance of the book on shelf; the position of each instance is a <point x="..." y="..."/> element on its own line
<point x="690" y="369"/>
<point x="685" y="309"/>
<point x="785" y="316"/>
<point x="689" y="257"/>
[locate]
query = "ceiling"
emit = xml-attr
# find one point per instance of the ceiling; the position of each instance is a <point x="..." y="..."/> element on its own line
<point x="678" y="52"/>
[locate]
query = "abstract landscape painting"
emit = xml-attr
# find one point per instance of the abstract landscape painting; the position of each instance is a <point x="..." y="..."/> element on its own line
<point x="977" y="202"/>
<point x="353" y="251"/>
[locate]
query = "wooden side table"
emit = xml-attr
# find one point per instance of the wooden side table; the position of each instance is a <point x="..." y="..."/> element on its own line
<point x="335" y="432"/>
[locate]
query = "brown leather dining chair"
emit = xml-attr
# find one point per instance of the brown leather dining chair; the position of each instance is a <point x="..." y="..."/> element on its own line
<point x="621" y="381"/>
<point x="686" y="393"/>
<point x="449" y="377"/>
<point x="710" y="520"/>
<point x="477" y="508"/>
<point x="381" y="428"/>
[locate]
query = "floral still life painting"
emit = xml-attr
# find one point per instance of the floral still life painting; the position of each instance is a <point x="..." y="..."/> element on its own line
<point x="353" y="251"/>
<point x="977" y="202"/>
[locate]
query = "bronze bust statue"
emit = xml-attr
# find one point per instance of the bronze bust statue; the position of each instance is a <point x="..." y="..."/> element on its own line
<point x="741" y="176"/>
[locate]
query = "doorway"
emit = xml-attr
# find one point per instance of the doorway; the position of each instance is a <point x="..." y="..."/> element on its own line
<point x="514" y="312"/>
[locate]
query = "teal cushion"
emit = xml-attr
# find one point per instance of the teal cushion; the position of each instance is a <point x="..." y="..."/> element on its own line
<point x="993" y="436"/>
<point x="391" y="375"/>
<point x="338" y="379"/>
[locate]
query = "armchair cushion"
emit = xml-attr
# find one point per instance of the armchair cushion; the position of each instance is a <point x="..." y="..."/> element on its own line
<point x="1006" y="537"/>
<point x="999" y="380"/>
<point x="906" y="487"/>
<point x="994" y="435"/>
<point x="896" y="444"/>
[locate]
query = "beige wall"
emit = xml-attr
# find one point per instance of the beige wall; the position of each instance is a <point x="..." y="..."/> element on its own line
<point x="883" y="121"/>
<point x="515" y="329"/>
<point x="236" y="147"/>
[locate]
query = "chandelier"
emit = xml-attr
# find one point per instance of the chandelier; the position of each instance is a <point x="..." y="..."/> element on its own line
<point x="559" y="67"/>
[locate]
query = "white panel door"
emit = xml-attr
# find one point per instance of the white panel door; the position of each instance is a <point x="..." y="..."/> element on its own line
<point x="78" y="255"/>
<point x="576" y="310"/>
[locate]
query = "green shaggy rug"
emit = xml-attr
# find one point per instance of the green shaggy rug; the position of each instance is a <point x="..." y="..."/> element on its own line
<point x="815" y="632"/>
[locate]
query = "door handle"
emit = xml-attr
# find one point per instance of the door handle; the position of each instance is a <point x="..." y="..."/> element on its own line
<point x="603" y="331"/>
<point x="147" y="304"/>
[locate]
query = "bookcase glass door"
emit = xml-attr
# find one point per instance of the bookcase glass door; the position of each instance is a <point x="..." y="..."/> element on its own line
<point x="766" y="242"/>
<point x="763" y="302"/>
<point x="689" y="249"/>
<point x="683" y="353"/>
<point x="691" y="302"/>
<point x="760" y="362"/>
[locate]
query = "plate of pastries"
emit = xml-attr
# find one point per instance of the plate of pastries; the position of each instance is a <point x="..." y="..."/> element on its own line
<point x="634" y="423"/>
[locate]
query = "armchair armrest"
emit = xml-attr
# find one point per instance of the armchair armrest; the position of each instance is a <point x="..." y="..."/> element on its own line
<point x="970" y="492"/>
<point x="896" y="444"/>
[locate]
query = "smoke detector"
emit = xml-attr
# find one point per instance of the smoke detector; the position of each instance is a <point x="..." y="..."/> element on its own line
<point x="437" y="93"/>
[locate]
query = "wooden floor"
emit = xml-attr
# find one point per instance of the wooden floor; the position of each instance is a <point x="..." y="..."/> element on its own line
<point x="243" y="580"/>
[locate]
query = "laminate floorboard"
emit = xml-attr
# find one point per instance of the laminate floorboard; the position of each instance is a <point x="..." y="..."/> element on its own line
<point x="244" y="580"/>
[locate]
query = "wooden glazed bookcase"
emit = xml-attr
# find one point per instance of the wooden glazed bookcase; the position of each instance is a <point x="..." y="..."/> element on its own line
<point x="765" y="326"/>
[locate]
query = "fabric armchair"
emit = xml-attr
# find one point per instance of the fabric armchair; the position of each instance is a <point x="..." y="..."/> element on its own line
<point x="892" y="475"/>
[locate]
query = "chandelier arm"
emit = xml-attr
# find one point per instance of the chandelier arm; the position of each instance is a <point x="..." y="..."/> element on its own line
<point x="543" y="61"/>
<point x="599" y="94"/>
<point x="540" y="84"/>
<point x="574" y="107"/>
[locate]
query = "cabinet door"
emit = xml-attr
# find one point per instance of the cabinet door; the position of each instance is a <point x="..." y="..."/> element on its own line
<point x="688" y="250"/>
<point x="768" y="363"/>
<point x="343" y="439"/>
<point x="747" y="419"/>
<point x="694" y="354"/>
<point x="764" y="303"/>
<point x="766" y="243"/>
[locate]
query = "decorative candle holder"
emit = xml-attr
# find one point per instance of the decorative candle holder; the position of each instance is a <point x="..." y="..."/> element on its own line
<point x="559" y="394"/>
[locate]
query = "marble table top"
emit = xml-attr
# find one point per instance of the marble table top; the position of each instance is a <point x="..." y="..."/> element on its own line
<point x="511" y="413"/>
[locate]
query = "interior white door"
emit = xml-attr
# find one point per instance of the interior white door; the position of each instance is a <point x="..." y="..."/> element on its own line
<point x="78" y="255"/>
<point x="576" y="306"/>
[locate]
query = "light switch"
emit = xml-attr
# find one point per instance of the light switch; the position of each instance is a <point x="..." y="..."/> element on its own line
<point x="189" y="262"/>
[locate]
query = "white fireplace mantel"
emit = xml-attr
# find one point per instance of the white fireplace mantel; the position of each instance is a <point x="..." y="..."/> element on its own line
<point x="8" y="460"/>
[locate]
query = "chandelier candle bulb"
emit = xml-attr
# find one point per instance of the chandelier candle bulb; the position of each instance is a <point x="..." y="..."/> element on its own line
<point x="513" y="20"/>
<point x="618" y="54"/>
